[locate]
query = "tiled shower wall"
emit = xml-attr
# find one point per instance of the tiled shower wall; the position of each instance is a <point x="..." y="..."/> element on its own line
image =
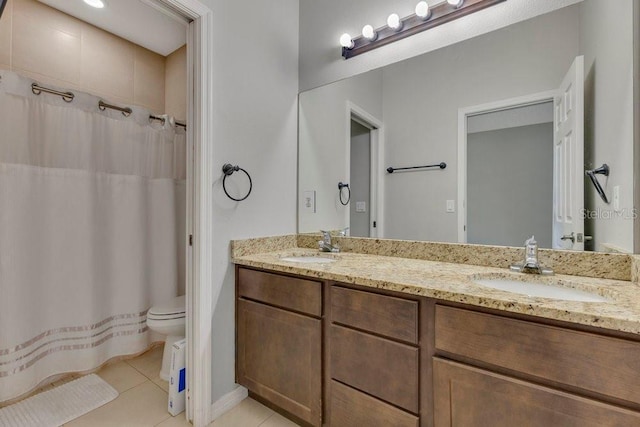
<point x="54" y="48"/>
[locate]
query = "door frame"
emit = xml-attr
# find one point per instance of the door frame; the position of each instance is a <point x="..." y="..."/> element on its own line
<point x="463" y="115"/>
<point x="376" y="198"/>
<point x="200" y="167"/>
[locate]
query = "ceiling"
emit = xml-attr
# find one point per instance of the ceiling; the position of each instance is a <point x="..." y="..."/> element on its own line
<point x="142" y="22"/>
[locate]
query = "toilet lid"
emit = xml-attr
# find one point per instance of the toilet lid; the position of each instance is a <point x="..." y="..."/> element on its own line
<point x="175" y="307"/>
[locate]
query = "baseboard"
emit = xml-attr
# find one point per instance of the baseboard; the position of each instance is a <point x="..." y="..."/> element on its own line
<point x="227" y="402"/>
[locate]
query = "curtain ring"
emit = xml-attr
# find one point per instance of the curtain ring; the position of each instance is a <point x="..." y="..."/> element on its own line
<point x="228" y="170"/>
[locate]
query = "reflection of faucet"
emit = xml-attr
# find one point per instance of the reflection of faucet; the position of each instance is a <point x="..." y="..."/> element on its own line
<point x="531" y="264"/>
<point x="343" y="232"/>
<point x="325" y="244"/>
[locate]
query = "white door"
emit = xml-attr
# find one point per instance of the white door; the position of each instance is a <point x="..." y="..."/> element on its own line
<point x="568" y="160"/>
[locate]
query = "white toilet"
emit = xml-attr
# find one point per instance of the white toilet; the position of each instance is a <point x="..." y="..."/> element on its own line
<point x="168" y="318"/>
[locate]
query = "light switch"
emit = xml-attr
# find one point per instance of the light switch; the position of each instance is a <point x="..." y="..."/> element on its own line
<point x="616" y="198"/>
<point x="309" y="201"/>
<point x="451" y="206"/>
<point x="361" y="206"/>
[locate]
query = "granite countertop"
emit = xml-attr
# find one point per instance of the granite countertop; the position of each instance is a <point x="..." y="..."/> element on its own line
<point x="454" y="282"/>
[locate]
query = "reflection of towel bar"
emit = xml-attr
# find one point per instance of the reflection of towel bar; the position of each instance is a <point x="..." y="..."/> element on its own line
<point x="602" y="170"/>
<point x="439" y="165"/>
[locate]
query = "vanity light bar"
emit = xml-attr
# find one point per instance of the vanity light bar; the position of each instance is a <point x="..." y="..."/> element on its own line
<point x="437" y="15"/>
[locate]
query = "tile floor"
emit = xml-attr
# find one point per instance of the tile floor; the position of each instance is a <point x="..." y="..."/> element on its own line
<point x="143" y="400"/>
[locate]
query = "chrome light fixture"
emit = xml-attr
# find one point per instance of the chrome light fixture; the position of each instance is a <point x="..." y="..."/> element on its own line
<point x="397" y="28"/>
<point x="369" y="33"/>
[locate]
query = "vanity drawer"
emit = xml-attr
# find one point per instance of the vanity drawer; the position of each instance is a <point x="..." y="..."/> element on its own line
<point x="292" y="293"/>
<point x="350" y="408"/>
<point x="605" y="365"/>
<point x="392" y="317"/>
<point x="468" y="396"/>
<point x="380" y="367"/>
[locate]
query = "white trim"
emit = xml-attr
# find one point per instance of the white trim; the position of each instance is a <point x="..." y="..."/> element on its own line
<point x="363" y="117"/>
<point x="463" y="113"/>
<point x="166" y="11"/>
<point x="228" y="402"/>
<point x="199" y="269"/>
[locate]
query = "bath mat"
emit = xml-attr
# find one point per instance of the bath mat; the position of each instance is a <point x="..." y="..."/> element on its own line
<point x="57" y="406"/>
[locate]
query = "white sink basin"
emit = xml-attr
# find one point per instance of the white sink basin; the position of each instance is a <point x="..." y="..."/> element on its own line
<point x="541" y="290"/>
<point x="308" y="259"/>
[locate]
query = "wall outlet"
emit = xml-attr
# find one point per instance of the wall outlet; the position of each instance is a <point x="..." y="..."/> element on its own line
<point x="451" y="206"/>
<point x="361" y="206"/>
<point x="309" y="201"/>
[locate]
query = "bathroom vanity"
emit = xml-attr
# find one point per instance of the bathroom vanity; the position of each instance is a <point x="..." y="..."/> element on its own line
<point x="389" y="341"/>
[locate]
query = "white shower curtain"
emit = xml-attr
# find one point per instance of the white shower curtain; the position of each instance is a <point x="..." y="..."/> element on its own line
<point x="91" y="229"/>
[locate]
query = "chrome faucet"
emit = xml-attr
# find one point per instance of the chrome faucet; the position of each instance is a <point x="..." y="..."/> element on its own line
<point x="531" y="264"/>
<point x="325" y="244"/>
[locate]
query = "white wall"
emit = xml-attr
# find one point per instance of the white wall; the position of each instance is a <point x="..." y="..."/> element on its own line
<point x="323" y="150"/>
<point x="322" y="23"/>
<point x="255" y="124"/>
<point x="422" y="96"/>
<point x="607" y="47"/>
<point x="510" y="185"/>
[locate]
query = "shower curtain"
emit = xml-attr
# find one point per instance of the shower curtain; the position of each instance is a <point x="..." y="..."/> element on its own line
<point x="92" y="210"/>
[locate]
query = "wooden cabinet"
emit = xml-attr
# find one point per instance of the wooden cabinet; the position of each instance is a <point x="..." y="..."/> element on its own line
<point x="374" y="360"/>
<point x="279" y="352"/>
<point x="528" y="373"/>
<point x="591" y="362"/>
<point x="468" y="397"/>
<point x="391" y="317"/>
<point x="350" y="408"/>
<point x="347" y="356"/>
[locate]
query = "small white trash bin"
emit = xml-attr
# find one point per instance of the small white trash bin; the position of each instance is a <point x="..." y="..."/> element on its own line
<point x="177" y="378"/>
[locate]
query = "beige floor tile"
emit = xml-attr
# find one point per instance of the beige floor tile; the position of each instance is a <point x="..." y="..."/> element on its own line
<point x="277" y="420"/>
<point x="149" y="363"/>
<point x="143" y="405"/>
<point x="121" y="376"/>
<point x="164" y="385"/>
<point x="177" y="421"/>
<point x="248" y="413"/>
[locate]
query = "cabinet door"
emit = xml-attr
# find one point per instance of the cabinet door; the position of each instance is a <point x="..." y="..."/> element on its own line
<point x="351" y="408"/>
<point x="467" y="396"/>
<point x="279" y="358"/>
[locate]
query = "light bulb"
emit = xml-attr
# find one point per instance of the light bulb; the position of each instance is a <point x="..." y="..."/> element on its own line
<point x="422" y="10"/>
<point x="393" y="21"/>
<point x="455" y="3"/>
<point x="369" y="33"/>
<point x="98" y="4"/>
<point x="346" y="41"/>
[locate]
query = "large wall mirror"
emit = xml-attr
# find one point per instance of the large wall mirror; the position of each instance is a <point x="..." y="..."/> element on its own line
<point x="518" y="116"/>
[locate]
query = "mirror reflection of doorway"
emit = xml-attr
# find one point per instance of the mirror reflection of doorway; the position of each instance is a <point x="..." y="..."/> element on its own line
<point x="510" y="176"/>
<point x="360" y="180"/>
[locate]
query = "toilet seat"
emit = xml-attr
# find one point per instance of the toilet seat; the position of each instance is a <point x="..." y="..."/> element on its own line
<point x="168" y="310"/>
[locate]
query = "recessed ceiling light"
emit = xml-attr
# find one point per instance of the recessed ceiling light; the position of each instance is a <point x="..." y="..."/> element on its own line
<point x="95" y="3"/>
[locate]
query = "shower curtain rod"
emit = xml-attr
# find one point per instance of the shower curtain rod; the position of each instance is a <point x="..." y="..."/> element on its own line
<point x="69" y="96"/>
<point x="162" y="119"/>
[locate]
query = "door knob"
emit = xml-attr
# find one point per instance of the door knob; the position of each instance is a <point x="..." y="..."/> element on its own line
<point x="571" y="237"/>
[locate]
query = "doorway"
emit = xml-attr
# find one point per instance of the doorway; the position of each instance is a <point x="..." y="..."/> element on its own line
<point x="365" y="142"/>
<point x="567" y="221"/>
<point x="518" y="143"/>
<point x="360" y="207"/>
